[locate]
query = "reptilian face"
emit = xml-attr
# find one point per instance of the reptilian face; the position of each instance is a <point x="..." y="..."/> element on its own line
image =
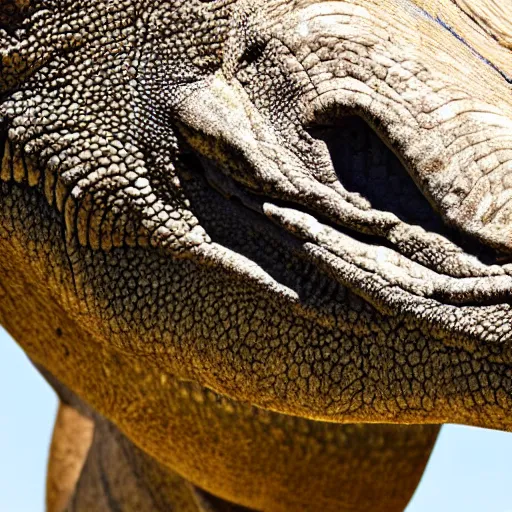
<point x="304" y="204"/>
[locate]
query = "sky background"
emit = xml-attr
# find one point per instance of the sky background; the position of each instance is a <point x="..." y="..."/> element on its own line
<point x="470" y="469"/>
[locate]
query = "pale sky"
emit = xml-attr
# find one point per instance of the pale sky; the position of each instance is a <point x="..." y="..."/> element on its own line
<point x="469" y="471"/>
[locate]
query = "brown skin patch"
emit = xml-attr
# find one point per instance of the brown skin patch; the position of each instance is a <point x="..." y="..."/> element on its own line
<point x="72" y="437"/>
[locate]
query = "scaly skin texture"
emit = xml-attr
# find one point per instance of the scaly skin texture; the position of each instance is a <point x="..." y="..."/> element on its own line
<point x="259" y="459"/>
<point x="194" y="209"/>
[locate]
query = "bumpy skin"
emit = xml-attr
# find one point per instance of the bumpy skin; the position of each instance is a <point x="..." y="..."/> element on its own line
<point x="192" y="209"/>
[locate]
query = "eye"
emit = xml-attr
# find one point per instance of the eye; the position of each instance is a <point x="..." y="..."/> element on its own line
<point x="366" y="166"/>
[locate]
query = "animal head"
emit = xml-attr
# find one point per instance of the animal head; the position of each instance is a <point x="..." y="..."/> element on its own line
<point x="303" y="205"/>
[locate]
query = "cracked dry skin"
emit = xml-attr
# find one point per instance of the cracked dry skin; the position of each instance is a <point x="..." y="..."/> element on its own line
<point x="237" y="234"/>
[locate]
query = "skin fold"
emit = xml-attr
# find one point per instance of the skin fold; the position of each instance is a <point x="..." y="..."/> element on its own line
<point x="253" y="242"/>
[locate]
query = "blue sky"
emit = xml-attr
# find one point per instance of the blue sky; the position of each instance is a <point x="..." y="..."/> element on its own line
<point x="470" y="469"/>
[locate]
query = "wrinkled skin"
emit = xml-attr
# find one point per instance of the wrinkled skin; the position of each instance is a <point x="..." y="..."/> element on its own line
<point x="230" y="229"/>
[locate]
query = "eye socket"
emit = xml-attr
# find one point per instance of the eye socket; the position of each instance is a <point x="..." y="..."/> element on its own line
<point x="364" y="164"/>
